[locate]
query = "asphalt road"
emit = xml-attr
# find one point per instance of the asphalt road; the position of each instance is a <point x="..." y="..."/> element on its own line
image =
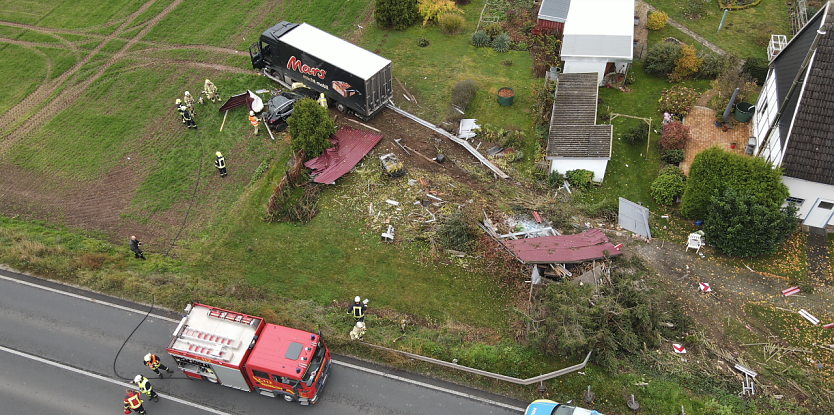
<point x="58" y="346"/>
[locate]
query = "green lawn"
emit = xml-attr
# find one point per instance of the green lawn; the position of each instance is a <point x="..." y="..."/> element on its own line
<point x="745" y="32"/>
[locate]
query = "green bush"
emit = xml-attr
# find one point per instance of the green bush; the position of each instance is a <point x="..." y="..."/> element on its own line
<point x="493" y="30"/>
<point x="657" y="20"/>
<point x="480" y="39"/>
<point x="310" y="126"/>
<point x="637" y="133"/>
<point x="738" y="224"/>
<point x="669" y="185"/>
<point x="580" y="178"/>
<point x="756" y="68"/>
<point x="555" y="179"/>
<point x="673" y="156"/>
<point x="451" y="23"/>
<point x="501" y="43"/>
<point x="522" y="46"/>
<point x="715" y="170"/>
<point x="660" y="61"/>
<point x="711" y="66"/>
<point x="457" y="231"/>
<point x="726" y="82"/>
<point x="675" y="135"/>
<point x="463" y="93"/>
<point x="694" y="9"/>
<point x="395" y="14"/>
<point x="422" y="42"/>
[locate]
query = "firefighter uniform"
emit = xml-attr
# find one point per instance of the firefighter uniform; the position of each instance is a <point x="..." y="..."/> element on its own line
<point x="322" y="100"/>
<point x="133" y="402"/>
<point x="210" y="90"/>
<point x="135" y="247"/>
<point x="187" y="119"/>
<point x="153" y="362"/>
<point x="357" y="310"/>
<point x="358" y="331"/>
<point x="220" y="163"/>
<point x="188" y="100"/>
<point x="146" y="387"/>
<point x="254" y="121"/>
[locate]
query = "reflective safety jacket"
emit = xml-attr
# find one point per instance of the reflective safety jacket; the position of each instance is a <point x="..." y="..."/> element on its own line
<point x="358" y="310"/>
<point x="220" y="162"/>
<point x="254" y="120"/>
<point x="145" y="385"/>
<point x="154" y="363"/>
<point x="132" y="400"/>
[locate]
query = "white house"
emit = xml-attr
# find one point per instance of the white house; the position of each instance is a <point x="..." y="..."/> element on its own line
<point x="598" y="37"/>
<point x="575" y="141"/>
<point x="801" y="139"/>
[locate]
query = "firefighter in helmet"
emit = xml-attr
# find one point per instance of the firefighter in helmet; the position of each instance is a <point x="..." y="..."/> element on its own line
<point x="145" y="387"/>
<point x="220" y="163"/>
<point x="210" y="90"/>
<point x="188" y="100"/>
<point x="254" y="121"/>
<point x="187" y="119"/>
<point x="153" y="362"/>
<point x="180" y="108"/>
<point x="357" y="310"/>
<point x="322" y="100"/>
<point x="133" y="402"/>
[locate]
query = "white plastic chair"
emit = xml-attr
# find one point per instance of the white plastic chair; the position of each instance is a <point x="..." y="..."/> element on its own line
<point x="695" y="242"/>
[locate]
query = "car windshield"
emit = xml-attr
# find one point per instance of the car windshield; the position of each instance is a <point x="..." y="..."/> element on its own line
<point x="315" y="363"/>
<point x="277" y="102"/>
<point x="563" y="410"/>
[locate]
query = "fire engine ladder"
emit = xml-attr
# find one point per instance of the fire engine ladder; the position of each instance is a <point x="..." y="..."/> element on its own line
<point x="213" y="351"/>
<point x="194" y="334"/>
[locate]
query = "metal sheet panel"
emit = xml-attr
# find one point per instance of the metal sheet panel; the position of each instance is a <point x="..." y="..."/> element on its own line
<point x="634" y="218"/>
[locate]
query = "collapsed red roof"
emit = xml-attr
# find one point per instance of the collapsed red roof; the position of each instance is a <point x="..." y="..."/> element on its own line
<point x="349" y="146"/>
<point x="562" y="249"/>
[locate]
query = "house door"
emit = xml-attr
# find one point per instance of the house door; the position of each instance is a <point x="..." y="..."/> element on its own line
<point x="819" y="216"/>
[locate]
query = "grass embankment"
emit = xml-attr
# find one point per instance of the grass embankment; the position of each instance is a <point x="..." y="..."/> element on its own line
<point x="745" y="33"/>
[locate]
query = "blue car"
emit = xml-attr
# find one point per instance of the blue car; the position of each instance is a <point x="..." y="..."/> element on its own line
<point x="548" y="407"/>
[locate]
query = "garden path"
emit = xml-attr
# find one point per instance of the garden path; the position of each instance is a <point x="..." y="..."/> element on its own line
<point x="686" y="30"/>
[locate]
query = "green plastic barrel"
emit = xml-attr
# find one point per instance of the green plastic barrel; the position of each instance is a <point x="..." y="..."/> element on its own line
<point x="505" y="96"/>
<point x="744" y="111"/>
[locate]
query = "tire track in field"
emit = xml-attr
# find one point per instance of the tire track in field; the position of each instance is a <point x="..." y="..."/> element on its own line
<point x="12" y="125"/>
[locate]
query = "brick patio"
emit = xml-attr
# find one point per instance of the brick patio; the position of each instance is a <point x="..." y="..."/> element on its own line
<point x="701" y="123"/>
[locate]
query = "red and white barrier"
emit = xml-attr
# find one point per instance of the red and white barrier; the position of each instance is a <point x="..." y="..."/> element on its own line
<point x="704" y="287"/>
<point x="790" y="291"/>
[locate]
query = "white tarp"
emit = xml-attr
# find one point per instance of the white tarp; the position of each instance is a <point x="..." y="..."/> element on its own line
<point x="634" y="217"/>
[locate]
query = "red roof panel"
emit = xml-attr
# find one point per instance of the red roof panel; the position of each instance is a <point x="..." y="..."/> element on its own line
<point x="581" y="247"/>
<point x="349" y="147"/>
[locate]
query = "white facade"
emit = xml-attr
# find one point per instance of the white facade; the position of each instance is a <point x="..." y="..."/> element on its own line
<point x="766" y="108"/>
<point x="596" y="165"/>
<point x="598" y="32"/>
<point x="811" y="193"/>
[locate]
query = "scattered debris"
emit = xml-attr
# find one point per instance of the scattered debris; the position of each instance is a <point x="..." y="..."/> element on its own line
<point x="678" y="348"/>
<point x="704" y="287"/>
<point x="790" y="291"/>
<point x="389" y="235"/>
<point x="808" y="316"/>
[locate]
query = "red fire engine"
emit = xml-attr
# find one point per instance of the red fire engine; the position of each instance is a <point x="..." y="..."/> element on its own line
<point x="243" y="352"/>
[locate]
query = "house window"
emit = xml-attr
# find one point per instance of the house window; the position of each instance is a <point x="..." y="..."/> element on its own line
<point x="795" y="200"/>
<point x="825" y="205"/>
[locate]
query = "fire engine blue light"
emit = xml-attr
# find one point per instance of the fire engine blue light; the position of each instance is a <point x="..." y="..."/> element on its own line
<point x="312" y="337"/>
<point x="298" y="370"/>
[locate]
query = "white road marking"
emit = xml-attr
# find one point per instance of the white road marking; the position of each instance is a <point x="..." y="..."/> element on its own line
<point x="340" y="363"/>
<point x="92" y="300"/>
<point x="427" y="385"/>
<point x="109" y="380"/>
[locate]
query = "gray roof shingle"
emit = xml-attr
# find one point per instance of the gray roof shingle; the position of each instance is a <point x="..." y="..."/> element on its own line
<point x="810" y="151"/>
<point x="554" y="10"/>
<point x="573" y="129"/>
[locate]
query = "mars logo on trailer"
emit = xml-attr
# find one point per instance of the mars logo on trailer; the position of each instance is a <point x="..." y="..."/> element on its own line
<point x="296" y="65"/>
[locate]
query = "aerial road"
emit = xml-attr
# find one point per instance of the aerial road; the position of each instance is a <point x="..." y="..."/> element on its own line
<point x="58" y="355"/>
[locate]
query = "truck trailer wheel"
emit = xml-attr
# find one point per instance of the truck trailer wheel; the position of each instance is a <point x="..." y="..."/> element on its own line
<point x="341" y="107"/>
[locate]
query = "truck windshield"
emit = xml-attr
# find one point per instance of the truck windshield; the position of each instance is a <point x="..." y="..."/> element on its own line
<point x="315" y="364"/>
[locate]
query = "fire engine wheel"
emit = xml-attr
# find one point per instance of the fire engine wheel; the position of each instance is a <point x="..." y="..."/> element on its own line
<point x="209" y="379"/>
<point x="288" y="398"/>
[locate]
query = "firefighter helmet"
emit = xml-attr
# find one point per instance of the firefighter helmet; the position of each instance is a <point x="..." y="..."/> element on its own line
<point x="251" y="113"/>
<point x="148" y="357"/>
<point x="188" y="94"/>
<point x="357" y="299"/>
<point x="218" y="154"/>
<point x="360" y="324"/>
<point x="138" y="378"/>
<point x="179" y="101"/>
